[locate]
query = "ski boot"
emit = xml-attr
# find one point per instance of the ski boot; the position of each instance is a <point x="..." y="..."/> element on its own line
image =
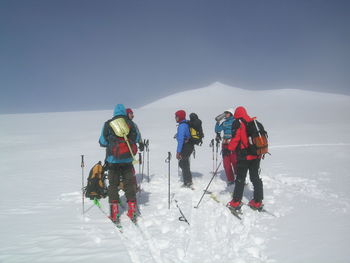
<point x="256" y="205"/>
<point x="114" y="213"/>
<point x="132" y="211"/>
<point x="234" y="205"/>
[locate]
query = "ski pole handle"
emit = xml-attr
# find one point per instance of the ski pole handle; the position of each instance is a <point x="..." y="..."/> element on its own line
<point x="211" y="145"/>
<point x="167" y="160"/>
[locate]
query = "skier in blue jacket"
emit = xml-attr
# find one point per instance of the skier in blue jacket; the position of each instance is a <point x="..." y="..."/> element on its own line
<point x="184" y="147"/>
<point x="229" y="157"/>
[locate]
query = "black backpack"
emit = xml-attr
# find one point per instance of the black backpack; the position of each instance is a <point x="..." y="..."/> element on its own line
<point x="196" y="130"/>
<point x="96" y="186"/>
<point x="257" y="138"/>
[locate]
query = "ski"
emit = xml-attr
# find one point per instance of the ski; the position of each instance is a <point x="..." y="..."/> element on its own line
<point x="263" y="210"/>
<point x="236" y="213"/>
<point x="117" y="223"/>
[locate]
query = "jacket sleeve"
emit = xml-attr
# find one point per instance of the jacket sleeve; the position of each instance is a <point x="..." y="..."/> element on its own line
<point x="138" y="134"/>
<point x="103" y="141"/>
<point x="180" y="137"/>
<point x="236" y="138"/>
<point x="218" y="127"/>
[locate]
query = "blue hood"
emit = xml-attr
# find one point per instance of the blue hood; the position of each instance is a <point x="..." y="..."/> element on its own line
<point x="119" y="110"/>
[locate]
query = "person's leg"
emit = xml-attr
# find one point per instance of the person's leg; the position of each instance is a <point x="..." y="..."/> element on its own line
<point x="113" y="191"/>
<point x="129" y="181"/>
<point x="186" y="171"/>
<point x="233" y="159"/>
<point x="228" y="168"/>
<point x="256" y="180"/>
<point x="130" y="189"/>
<point x="114" y="180"/>
<point x="242" y="169"/>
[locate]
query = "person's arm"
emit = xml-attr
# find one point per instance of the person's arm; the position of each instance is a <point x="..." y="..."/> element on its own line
<point x="138" y="134"/>
<point x="236" y="138"/>
<point x="218" y="127"/>
<point x="180" y="137"/>
<point x="103" y="141"/>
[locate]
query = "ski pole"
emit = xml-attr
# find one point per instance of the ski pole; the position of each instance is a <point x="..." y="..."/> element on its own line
<point x="140" y="162"/>
<point x="216" y="171"/>
<point x="147" y="148"/>
<point x="143" y="156"/>
<point x="182" y="217"/>
<point x="212" y="148"/>
<point x="167" y="160"/>
<point x="82" y="180"/>
<point x="217" y="149"/>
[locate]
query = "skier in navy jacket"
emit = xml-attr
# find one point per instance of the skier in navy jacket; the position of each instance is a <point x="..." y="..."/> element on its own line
<point x="184" y="147"/>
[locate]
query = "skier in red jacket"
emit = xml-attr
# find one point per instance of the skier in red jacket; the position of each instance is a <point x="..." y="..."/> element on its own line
<point x="245" y="162"/>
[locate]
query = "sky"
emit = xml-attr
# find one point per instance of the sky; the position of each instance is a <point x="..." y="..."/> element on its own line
<point x="63" y="55"/>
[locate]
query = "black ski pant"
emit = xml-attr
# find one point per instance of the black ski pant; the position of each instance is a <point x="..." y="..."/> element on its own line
<point x="243" y="166"/>
<point x="117" y="173"/>
<point x="186" y="171"/>
<point x="184" y="163"/>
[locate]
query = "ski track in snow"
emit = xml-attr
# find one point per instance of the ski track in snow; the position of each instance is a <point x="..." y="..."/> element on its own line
<point x="214" y="232"/>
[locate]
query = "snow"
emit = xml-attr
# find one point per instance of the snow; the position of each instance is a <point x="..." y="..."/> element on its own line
<point x="306" y="182"/>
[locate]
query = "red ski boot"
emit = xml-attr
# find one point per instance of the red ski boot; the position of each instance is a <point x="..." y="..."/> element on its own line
<point x="236" y="205"/>
<point x="256" y="205"/>
<point x="114" y="211"/>
<point x="132" y="210"/>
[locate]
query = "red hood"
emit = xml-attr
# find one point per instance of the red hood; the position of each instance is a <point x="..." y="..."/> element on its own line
<point x="241" y="113"/>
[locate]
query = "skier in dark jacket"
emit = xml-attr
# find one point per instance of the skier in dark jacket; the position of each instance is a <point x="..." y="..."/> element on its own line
<point x="184" y="147"/>
<point x="119" y="161"/>
<point x="239" y="143"/>
<point x="130" y="114"/>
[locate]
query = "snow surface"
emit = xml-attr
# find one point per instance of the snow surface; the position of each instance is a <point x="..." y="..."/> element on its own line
<point x="306" y="185"/>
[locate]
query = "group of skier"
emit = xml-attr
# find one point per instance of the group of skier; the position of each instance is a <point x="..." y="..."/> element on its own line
<point x="121" y="138"/>
<point x="237" y="158"/>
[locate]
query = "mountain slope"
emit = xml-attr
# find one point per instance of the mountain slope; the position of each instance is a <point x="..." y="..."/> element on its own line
<point x="305" y="184"/>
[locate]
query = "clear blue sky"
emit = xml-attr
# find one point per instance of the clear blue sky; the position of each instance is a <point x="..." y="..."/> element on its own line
<point x="62" y="55"/>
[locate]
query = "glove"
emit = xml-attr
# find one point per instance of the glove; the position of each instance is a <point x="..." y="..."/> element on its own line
<point x="226" y="152"/>
<point x="178" y="156"/>
<point x="141" y="146"/>
<point x="218" y="138"/>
